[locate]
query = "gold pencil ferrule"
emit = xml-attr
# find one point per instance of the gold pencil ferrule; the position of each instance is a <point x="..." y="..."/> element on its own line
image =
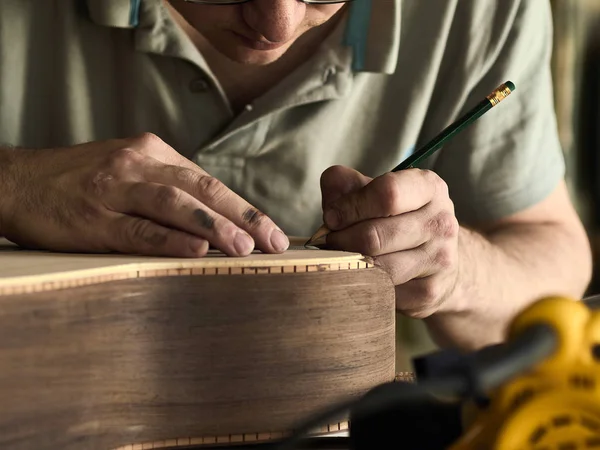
<point x="499" y="94"/>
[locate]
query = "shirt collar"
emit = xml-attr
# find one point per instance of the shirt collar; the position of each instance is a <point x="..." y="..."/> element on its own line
<point x="372" y="31"/>
<point x="115" y="13"/>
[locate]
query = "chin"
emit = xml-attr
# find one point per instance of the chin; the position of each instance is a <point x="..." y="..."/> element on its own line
<point x="243" y="54"/>
<point x="254" y="57"/>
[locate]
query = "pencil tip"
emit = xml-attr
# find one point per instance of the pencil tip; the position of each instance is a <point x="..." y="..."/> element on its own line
<point x="321" y="233"/>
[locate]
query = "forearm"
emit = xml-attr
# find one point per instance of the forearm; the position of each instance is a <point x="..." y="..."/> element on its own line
<point x="503" y="272"/>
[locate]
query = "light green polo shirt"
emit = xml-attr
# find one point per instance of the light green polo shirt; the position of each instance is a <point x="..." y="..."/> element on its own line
<point x="391" y="76"/>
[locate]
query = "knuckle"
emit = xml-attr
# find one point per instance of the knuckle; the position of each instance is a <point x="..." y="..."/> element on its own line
<point x="225" y="232"/>
<point x="371" y="241"/>
<point x="185" y="175"/>
<point x="122" y="161"/>
<point x="99" y="183"/>
<point x="254" y="217"/>
<point x="444" y="225"/>
<point x="429" y="175"/>
<point x="140" y="232"/>
<point x="211" y="187"/>
<point x="443" y="258"/>
<point x="388" y="193"/>
<point x="132" y="232"/>
<point x="432" y="178"/>
<point x="147" y="139"/>
<point x="167" y="197"/>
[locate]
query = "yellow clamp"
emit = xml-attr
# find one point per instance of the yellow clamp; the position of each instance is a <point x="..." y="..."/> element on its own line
<point x="556" y="405"/>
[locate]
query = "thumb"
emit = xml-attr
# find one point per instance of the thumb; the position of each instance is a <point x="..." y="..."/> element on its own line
<point x="338" y="181"/>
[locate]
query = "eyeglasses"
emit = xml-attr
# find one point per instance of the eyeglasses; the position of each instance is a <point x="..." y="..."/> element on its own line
<point x="236" y="2"/>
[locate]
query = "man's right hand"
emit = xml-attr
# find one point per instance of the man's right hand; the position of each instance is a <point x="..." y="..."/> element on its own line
<point x="127" y="196"/>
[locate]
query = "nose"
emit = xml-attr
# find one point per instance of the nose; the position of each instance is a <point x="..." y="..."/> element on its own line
<point x="274" y="20"/>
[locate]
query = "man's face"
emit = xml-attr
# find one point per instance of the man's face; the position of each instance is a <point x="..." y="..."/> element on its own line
<point x="257" y="32"/>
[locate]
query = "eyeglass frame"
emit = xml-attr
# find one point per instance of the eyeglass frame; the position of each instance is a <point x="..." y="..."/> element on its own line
<point x="239" y="2"/>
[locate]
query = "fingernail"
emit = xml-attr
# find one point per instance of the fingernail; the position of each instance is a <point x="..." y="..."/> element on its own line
<point x="332" y="218"/>
<point x="279" y="241"/>
<point x="196" y="245"/>
<point x="243" y="244"/>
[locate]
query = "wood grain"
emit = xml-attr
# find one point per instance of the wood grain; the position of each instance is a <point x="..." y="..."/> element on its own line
<point x="175" y="355"/>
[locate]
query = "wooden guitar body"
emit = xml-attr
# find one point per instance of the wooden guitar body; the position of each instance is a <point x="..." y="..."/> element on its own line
<point x="124" y="352"/>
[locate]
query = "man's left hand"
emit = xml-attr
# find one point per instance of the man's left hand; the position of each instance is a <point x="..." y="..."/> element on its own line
<point x="405" y="220"/>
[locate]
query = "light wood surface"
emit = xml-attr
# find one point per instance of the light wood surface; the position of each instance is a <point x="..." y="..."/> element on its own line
<point x="126" y="352"/>
<point x="23" y="271"/>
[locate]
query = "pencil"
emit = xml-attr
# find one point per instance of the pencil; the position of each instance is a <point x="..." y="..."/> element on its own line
<point x="499" y="94"/>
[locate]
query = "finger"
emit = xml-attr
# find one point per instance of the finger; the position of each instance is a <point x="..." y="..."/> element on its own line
<point x="422" y="297"/>
<point x="405" y="265"/>
<point x="188" y="176"/>
<point x="214" y="194"/>
<point x="337" y="181"/>
<point x="135" y="235"/>
<point x="379" y="237"/>
<point x="420" y="262"/>
<point x="391" y="194"/>
<point x="171" y="207"/>
<point x="407" y="231"/>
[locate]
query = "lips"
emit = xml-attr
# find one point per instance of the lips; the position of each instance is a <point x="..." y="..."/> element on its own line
<point x="258" y="45"/>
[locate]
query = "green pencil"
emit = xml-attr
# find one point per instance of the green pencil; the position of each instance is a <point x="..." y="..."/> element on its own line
<point x="471" y="116"/>
<point x="499" y="94"/>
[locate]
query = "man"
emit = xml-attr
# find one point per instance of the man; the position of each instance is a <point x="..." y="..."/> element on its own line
<point x="159" y="127"/>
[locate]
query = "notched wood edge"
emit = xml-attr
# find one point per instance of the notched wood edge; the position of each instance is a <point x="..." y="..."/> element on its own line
<point x="253" y="438"/>
<point x="74" y="281"/>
